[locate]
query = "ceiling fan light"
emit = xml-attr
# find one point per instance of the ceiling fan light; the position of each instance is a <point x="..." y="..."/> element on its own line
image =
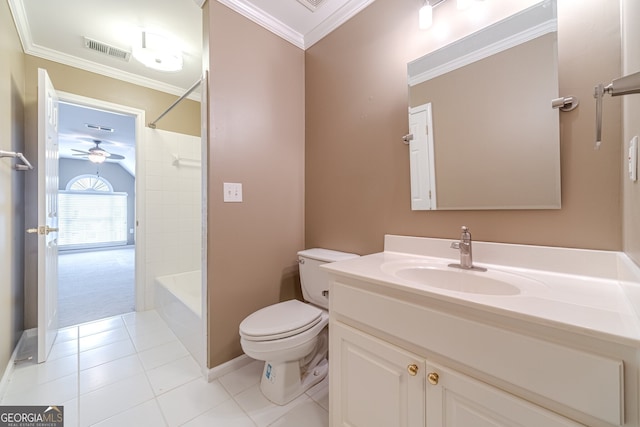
<point x="96" y="158"/>
<point x="156" y="52"/>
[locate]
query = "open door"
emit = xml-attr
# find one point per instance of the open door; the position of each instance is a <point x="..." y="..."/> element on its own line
<point x="47" y="229"/>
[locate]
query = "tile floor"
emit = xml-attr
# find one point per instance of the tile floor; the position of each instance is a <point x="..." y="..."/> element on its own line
<point x="131" y="370"/>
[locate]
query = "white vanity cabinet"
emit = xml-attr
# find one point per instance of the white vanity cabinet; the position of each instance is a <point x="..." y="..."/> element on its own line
<point x="381" y="385"/>
<point x="403" y="359"/>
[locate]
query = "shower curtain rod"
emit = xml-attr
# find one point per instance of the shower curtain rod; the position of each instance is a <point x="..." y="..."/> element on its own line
<point x="152" y="124"/>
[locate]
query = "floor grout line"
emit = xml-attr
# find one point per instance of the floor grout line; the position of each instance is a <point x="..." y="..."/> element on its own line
<point x="152" y="325"/>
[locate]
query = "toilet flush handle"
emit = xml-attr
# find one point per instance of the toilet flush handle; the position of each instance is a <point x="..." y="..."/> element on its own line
<point x="325" y="293"/>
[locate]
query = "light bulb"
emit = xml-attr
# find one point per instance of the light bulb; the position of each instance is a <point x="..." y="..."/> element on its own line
<point x="425" y="16"/>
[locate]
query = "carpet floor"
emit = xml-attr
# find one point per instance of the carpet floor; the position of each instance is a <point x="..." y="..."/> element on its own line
<point x="93" y="285"/>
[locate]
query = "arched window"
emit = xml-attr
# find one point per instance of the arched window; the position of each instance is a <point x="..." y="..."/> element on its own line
<point x="89" y="183"/>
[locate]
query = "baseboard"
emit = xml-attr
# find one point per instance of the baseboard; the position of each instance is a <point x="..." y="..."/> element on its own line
<point x="12" y="361"/>
<point x="230" y="366"/>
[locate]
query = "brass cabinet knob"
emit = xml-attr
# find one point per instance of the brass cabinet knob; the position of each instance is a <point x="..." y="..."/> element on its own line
<point x="433" y="378"/>
<point x="413" y="369"/>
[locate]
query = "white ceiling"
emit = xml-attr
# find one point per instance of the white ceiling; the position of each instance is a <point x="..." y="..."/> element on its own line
<point x="55" y="30"/>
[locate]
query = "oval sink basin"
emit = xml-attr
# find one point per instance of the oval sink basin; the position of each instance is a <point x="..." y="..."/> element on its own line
<point x="458" y="281"/>
<point x="442" y="276"/>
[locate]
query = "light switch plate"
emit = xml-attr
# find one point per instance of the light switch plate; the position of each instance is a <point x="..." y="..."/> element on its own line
<point x="232" y="192"/>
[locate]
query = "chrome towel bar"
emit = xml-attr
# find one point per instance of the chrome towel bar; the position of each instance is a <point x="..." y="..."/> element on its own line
<point x="18" y="167"/>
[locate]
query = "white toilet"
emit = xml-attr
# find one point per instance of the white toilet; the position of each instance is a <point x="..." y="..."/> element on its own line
<point x="291" y="336"/>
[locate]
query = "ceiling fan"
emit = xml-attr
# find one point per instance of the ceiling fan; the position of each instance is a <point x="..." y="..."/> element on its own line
<point x="97" y="154"/>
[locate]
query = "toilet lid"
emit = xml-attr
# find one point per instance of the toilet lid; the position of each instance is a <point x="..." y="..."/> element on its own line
<point x="280" y="321"/>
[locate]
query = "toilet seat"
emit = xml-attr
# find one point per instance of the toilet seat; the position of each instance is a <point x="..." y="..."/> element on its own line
<point x="278" y="321"/>
<point x="284" y="349"/>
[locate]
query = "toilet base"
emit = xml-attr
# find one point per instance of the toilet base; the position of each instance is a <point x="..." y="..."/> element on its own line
<point x="282" y="382"/>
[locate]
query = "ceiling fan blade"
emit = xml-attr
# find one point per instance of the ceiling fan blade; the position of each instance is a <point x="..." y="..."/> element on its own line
<point x="116" y="157"/>
<point x="79" y="151"/>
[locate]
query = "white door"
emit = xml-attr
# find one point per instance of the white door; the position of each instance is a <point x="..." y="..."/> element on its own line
<point x="421" y="158"/>
<point x="47" y="215"/>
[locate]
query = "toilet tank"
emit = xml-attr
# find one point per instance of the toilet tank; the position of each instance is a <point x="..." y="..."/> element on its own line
<point x="313" y="279"/>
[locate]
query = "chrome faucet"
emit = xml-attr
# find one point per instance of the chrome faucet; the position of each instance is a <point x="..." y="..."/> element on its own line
<point x="466" y="257"/>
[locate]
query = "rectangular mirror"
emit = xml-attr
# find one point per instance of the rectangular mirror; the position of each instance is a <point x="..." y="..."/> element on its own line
<point x="484" y="133"/>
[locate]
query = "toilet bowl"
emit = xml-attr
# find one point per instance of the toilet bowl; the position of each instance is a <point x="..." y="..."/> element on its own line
<point x="292" y="336"/>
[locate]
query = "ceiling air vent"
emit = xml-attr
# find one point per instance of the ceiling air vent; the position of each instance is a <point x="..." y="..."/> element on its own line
<point x="99" y="127"/>
<point x="106" y="49"/>
<point x="312" y="5"/>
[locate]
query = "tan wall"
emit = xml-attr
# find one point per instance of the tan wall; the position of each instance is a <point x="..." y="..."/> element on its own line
<point x="357" y="169"/>
<point x="256" y="131"/>
<point x="185" y="118"/>
<point x="11" y="186"/>
<point x="631" y="125"/>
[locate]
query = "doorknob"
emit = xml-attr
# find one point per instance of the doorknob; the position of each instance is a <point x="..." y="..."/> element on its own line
<point x="43" y="230"/>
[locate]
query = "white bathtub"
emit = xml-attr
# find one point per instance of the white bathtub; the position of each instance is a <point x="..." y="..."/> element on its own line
<point x="179" y="302"/>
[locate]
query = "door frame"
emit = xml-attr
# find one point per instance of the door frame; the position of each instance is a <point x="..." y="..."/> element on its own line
<point x="140" y="184"/>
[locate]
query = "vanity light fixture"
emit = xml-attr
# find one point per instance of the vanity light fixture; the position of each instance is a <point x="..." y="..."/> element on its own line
<point x="425" y="16"/>
<point x="156" y="52"/>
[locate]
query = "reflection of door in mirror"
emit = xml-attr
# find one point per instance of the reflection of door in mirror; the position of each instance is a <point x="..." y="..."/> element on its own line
<point x="495" y="134"/>
<point x="421" y="165"/>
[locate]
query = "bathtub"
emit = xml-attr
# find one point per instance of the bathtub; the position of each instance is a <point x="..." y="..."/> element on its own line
<point x="178" y="299"/>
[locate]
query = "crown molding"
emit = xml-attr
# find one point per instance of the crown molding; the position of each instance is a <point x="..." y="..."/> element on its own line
<point x="21" y="22"/>
<point x="104" y="70"/>
<point x="339" y="17"/>
<point x="303" y="41"/>
<point x="270" y="23"/>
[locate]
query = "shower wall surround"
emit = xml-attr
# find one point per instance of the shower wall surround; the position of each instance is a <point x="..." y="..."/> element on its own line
<point x="173" y="200"/>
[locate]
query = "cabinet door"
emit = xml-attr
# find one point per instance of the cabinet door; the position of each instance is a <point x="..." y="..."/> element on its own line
<point x="456" y="400"/>
<point x="374" y="384"/>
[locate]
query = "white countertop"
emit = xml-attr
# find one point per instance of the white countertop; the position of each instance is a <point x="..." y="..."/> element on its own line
<point x="577" y="290"/>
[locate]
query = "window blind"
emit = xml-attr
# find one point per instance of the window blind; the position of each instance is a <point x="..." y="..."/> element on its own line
<point x="90" y="219"/>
